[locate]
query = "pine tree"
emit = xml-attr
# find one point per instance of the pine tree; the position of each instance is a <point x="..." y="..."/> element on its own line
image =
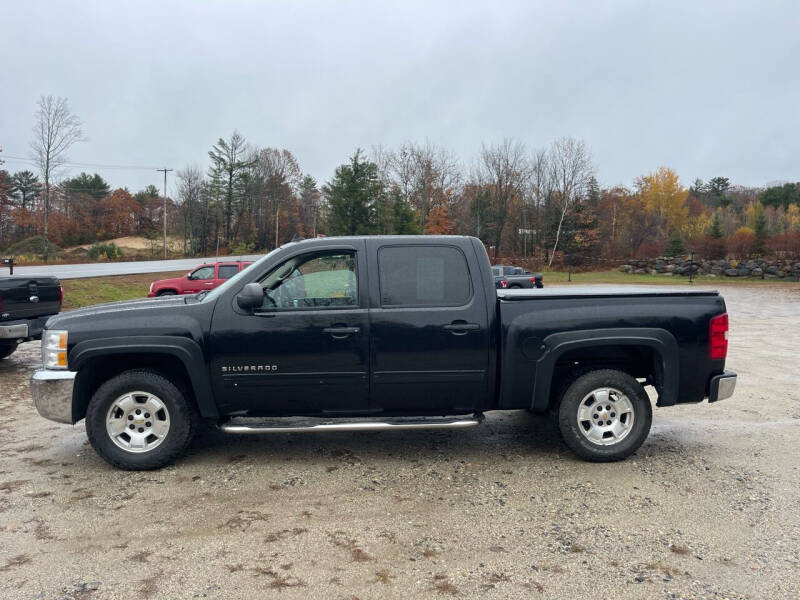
<point x="405" y="221"/>
<point x="675" y="245"/>
<point x="353" y="194"/>
<point x="25" y="188"/>
<point x="716" y="230"/>
<point x="228" y="164"/>
<point x="93" y="185"/>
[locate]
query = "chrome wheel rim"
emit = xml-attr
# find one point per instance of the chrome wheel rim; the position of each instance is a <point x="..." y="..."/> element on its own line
<point x="137" y="422"/>
<point x="605" y="416"/>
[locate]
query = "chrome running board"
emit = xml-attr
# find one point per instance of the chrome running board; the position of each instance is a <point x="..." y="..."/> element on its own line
<point x="306" y="424"/>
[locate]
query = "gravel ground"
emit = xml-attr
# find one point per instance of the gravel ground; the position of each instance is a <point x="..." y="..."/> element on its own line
<point x="708" y="508"/>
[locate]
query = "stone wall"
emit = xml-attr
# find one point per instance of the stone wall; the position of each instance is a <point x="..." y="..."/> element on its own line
<point x="757" y="268"/>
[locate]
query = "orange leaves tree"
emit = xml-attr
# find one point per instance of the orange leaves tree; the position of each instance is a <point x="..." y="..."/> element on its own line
<point x="742" y="242"/>
<point x="119" y="214"/>
<point x="439" y="222"/>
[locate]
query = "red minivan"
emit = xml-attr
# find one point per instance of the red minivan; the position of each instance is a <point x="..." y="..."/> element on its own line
<point x="204" y="277"/>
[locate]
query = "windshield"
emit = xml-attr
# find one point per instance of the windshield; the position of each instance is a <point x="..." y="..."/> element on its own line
<point x="219" y="290"/>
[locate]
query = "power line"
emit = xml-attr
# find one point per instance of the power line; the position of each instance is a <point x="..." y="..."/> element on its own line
<point x="82" y="164"/>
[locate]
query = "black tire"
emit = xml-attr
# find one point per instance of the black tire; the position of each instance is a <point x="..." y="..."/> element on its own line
<point x="570" y="427"/>
<point x="516" y="286"/>
<point x="168" y="293"/>
<point x="182" y="412"/>
<point x="7" y="350"/>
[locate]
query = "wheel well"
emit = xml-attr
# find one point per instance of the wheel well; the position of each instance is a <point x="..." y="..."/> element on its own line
<point x="640" y="362"/>
<point x="166" y="291"/>
<point x="99" y="370"/>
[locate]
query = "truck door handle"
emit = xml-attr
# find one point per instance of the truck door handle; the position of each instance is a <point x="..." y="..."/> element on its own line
<point x="461" y="328"/>
<point x="341" y="332"/>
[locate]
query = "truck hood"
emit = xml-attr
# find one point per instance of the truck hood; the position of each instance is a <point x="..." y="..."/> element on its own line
<point x="176" y="281"/>
<point x="123" y="310"/>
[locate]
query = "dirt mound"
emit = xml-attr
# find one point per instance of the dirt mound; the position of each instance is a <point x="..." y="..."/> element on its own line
<point x="135" y="242"/>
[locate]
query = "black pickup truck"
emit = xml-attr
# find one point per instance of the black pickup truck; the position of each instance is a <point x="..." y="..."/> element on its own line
<point x="360" y="333"/>
<point x="25" y="305"/>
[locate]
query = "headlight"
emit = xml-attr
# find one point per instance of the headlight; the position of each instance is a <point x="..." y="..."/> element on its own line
<point x="54" y="349"/>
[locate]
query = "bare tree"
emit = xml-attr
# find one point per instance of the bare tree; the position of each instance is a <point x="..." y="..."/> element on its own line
<point x="425" y="175"/>
<point x="570" y="171"/>
<point x="504" y="170"/>
<point x="190" y="197"/>
<point x="55" y="131"/>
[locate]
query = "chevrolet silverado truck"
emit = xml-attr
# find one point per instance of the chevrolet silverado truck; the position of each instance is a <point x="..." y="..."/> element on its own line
<point x="25" y="305"/>
<point x="378" y="333"/>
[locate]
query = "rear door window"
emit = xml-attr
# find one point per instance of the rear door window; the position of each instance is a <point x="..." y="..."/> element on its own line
<point x="227" y="271"/>
<point x="423" y="276"/>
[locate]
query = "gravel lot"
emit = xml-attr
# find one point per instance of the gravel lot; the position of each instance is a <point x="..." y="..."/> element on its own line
<point x="708" y="508"/>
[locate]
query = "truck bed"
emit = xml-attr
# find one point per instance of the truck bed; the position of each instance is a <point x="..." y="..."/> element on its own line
<point x="539" y="327"/>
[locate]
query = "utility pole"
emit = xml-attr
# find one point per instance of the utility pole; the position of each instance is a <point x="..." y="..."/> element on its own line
<point x="165" y="208"/>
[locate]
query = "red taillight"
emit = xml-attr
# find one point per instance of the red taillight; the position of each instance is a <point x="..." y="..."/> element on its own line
<point x="503" y="283"/>
<point x="60" y="295"/>
<point x="533" y="280"/>
<point x="718" y="337"/>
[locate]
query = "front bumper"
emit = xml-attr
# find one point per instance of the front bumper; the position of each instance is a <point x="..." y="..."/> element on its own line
<point x="52" y="394"/>
<point x="721" y="386"/>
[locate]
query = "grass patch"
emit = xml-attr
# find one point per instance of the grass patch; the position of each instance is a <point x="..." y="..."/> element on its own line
<point x="96" y="290"/>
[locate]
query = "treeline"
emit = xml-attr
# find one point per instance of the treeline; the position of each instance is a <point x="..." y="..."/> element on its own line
<point x="541" y="204"/>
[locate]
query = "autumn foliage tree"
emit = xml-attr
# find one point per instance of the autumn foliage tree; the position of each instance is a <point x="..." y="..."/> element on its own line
<point x="742" y="242"/>
<point x="439" y="222"/>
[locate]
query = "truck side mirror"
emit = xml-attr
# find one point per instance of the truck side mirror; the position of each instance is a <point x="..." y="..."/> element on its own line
<point x="251" y="296"/>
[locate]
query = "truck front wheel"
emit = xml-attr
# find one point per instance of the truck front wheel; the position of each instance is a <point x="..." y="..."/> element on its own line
<point x="604" y="415"/>
<point x="140" y="420"/>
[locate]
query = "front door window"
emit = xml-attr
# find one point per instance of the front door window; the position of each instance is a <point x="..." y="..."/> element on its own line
<point x="315" y="281"/>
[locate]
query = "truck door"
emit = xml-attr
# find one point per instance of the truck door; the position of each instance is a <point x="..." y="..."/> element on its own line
<point x="306" y="349"/>
<point x="429" y="328"/>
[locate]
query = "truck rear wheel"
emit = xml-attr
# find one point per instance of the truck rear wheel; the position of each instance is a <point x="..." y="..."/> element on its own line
<point x="7" y="350"/>
<point x="604" y="415"/>
<point x="140" y="420"/>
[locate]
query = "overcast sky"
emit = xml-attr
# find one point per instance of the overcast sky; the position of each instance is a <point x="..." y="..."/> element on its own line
<point x="705" y="88"/>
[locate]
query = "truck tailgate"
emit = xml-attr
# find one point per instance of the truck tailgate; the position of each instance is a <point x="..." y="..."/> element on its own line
<point x="28" y="297"/>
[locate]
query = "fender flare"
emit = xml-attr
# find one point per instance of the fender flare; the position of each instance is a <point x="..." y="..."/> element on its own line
<point x="661" y="341"/>
<point x="186" y="350"/>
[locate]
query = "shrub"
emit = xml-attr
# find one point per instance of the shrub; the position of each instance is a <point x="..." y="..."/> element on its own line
<point x="34" y="246"/>
<point x="110" y="251"/>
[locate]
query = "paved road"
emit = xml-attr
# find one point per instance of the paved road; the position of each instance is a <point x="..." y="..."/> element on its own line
<point x="120" y="268"/>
